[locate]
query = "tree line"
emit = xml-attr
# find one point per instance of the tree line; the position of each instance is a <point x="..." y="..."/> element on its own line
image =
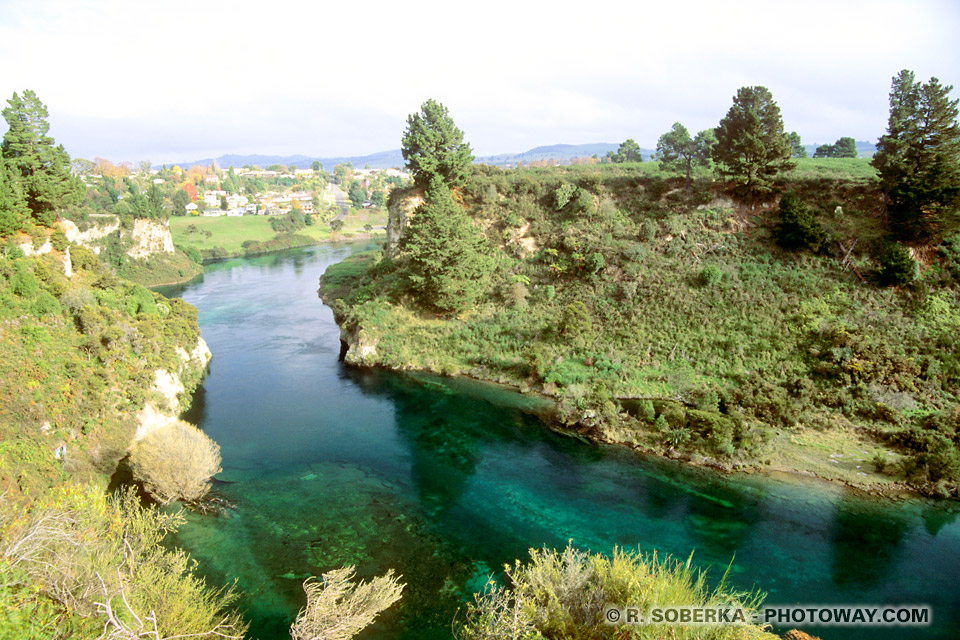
<point x="917" y="159"/>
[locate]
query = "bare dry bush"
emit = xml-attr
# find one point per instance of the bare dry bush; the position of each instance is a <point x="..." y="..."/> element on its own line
<point x="338" y="609"/>
<point x="176" y="462"/>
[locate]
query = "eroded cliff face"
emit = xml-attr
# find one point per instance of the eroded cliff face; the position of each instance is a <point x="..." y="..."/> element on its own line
<point x="357" y="346"/>
<point x="165" y="408"/>
<point x="400" y="211"/>
<point x="150" y="237"/>
<point x="91" y="236"/>
<point x="147" y="237"/>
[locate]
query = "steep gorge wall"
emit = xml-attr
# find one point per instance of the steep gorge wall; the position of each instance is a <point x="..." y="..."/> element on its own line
<point x="167" y="389"/>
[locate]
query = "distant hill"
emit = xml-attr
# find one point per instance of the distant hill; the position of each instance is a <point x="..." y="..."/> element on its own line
<point x="562" y="153"/>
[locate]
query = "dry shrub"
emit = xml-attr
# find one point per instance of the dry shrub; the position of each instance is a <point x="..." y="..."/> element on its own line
<point x="338" y="609"/>
<point x="99" y="557"/>
<point x="176" y="462"/>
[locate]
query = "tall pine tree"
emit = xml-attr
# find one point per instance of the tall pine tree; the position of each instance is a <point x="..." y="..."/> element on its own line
<point x="432" y="146"/>
<point x="449" y="263"/>
<point x="751" y="146"/>
<point x="918" y="160"/>
<point x="42" y="169"/>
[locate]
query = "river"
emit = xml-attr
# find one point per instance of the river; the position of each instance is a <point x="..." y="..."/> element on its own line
<point x="447" y="480"/>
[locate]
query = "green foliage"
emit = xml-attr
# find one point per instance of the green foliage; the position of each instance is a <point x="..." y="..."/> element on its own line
<point x="449" y="261"/>
<point x="799" y="227"/>
<point x="357" y="194"/>
<point x="575" y="322"/>
<point x="629" y="151"/>
<point x="13" y="202"/>
<point x="897" y="266"/>
<point x="140" y="300"/>
<point x="41" y="169"/>
<point x="45" y="304"/>
<point x="433" y="146"/>
<point x="564" y="194"/>
<point x="677" y="151"/>
<point x="798" y="150"/>
<point x="23" y="283"/>
<point x="711" y="275"/>
<point x="751" y="146"/>
<point x="918" y="159"/>
<point x="842" y="148"/>
<point x="563" y="594"/>
<point x="89" y="564"/>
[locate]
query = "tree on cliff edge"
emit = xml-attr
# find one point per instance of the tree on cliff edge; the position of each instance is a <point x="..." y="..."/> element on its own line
<point x="449" y="261"/>
<point x="41" y="169"/>
<point x="918" y="160"/>
<point x="433" y="146"/>
<point x="751" y="146"/>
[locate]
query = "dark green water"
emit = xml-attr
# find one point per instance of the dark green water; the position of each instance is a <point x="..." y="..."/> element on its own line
<point x="447" y="480"/>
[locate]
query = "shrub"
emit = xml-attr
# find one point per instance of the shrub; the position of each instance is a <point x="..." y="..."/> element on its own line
<point x="338" y="609"/>
<point x="58" y="239"/>
<point x="575" y="320"/>
<point x="45" y="304"/>
<point x="83" y="258"/>
<point x="99" y="557"/>
<point x="175" y="462"/>
<point x="564" y="194"/>
<point x="140" y="300"/>
<point x="710" y="275"/>
<point x="23" y="283"/>
<point x="897" y="266"/>
<point x="645" y="411"/>
<point x="562" y="594"/>
<point x="799" y="227"/>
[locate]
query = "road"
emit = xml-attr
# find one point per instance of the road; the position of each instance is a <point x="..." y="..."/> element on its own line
<point x="340" y="200"/>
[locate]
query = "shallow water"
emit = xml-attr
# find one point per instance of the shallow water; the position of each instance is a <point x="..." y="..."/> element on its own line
<point x="447" y="480"/>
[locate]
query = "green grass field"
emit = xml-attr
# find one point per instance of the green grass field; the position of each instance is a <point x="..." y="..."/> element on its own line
<point x="231" y="232"/>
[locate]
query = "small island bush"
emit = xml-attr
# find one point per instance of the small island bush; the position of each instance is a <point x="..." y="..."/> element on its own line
<point x="176" y="462"/>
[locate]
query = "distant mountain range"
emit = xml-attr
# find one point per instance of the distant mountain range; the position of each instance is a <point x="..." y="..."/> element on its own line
<point x="562" y="153"/>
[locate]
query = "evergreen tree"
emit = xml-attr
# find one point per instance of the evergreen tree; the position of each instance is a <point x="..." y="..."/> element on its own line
<point x="918" y="160"/>
<point x="751" y="146"/>
<point x="42" y="169"/>
<point x="449" y="261"/>
<point x="799" y="151"/>
<point x="432" y="145"/>
<point x="677" y="151"/>
<point x="842" y="148"/>
<point x="799" y="227"/>
<point x="845" y="148"/>
<point x="13" y="204"/>
<point x="629" y="151"/>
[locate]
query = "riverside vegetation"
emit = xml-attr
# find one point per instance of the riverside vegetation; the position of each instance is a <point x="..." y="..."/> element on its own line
<point x="80" y="352"/>
<point x="797" y="308"/>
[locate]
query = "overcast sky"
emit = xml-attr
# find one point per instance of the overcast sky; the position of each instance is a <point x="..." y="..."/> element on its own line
<point x="129" y="80"/>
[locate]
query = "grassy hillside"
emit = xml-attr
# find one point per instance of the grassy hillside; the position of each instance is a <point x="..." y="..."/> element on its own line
<point x="78" y="357"/>
<point x="227" y="235"/>
<point x="674" y="322"/>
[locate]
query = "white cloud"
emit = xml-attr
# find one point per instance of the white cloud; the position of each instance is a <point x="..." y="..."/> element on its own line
<point x="145" y="80"/>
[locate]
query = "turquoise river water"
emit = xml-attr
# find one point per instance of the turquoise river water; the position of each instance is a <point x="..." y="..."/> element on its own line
<point x="446" y="480"/>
